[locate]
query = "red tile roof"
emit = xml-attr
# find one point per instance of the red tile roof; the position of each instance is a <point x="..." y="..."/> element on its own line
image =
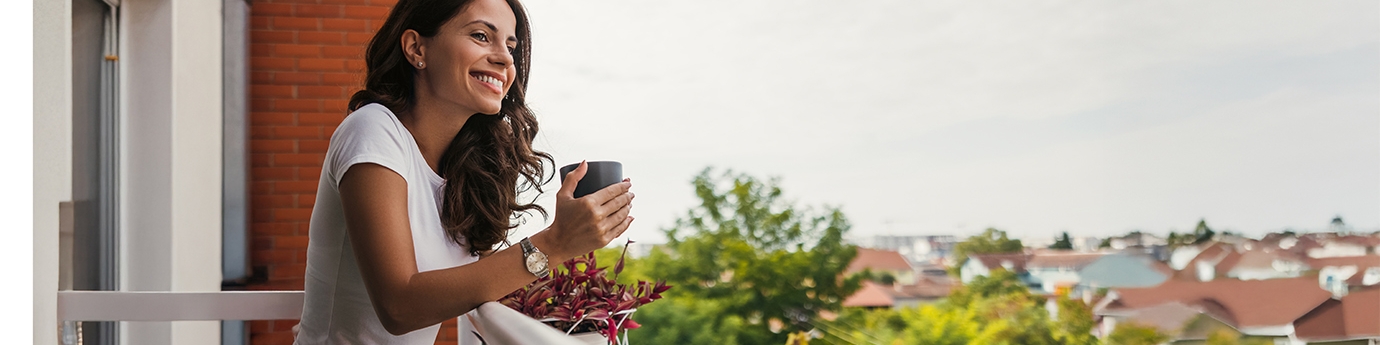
<point x="926" y="288"/>
<point x="1227" y="262"/>
<point x="870" y="295"/>
<point x="1247" y="303"/>
<point x="1361" y="313"/>
<point x="995" y="261"/>
<point x="878" y="260"/>
<point x="1355" y="316"/>
<point x="1214" y="252"/>
<point x="1169" y="318"/>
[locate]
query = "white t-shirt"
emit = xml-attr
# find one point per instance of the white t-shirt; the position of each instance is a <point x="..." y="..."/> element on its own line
<point x="337" y="309"/>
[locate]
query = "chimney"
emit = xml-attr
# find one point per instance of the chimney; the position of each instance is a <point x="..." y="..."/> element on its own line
<point x="1206" y="271"/>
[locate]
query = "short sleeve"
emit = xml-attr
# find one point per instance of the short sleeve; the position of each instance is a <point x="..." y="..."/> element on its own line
<point x="371" y="134"/>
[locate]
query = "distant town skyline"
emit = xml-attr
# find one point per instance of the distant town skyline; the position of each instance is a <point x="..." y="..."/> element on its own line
<point x="949" y="117"/>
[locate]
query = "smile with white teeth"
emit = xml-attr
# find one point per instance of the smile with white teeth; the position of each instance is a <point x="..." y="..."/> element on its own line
<point x="491" y="80"/>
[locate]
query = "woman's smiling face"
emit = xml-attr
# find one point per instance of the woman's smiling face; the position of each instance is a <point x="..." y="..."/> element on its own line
<point x="469" y="62"/>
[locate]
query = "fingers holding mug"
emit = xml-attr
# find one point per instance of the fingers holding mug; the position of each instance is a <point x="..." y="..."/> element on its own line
<point x="571" y="180"/>
<point x="620" y="228"/>
<point x="613" y="220"/>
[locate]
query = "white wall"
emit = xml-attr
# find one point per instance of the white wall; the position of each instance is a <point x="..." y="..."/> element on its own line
<point x="52" y="153"/>
<point x="972" y="269"/>
<point x="1050" y="278"/>
<point x="171" y="57"/>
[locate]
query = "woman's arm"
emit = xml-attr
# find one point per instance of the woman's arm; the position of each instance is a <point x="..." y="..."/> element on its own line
<point x="375" y="204"/>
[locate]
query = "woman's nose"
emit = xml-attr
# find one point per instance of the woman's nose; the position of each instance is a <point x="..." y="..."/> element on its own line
<point x="503" y="57"/>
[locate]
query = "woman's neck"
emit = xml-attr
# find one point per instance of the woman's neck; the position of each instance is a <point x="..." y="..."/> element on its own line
<point x="433" y="125"/>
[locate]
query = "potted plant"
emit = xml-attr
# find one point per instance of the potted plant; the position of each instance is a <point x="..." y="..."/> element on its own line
<point x="579" y="298"/>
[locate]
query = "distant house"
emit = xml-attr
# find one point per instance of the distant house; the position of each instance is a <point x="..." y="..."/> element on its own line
<point x="1044" y="271"/>
<point x="982" y="265"/>
<point x="1338" y="247"/>
<point x="1124" y="270"/>
<point x="877" y="295"/>
<point x="1204" y="265"/>
<point x="1261" y="308"/>
<point x="919" y="249"/>
<point x="1137" y="241"/>
<point x="1259" y="264"/>
<point x="1182" y="323"/>
<point x="883" y="261"/>
<point x="1053" y="271"/>
<point x="909" y="288"/>
<point x="871" y="295"/>
<point x="1086" y="244"/>
<point x="1343" y="274"/>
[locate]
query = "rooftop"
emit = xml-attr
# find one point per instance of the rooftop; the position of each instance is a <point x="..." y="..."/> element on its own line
<point x="1242" y="303"/>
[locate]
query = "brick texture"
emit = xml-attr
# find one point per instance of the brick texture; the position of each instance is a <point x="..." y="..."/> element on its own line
<point x="306" y="59"/>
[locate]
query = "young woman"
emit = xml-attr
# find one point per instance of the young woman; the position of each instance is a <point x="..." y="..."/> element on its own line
<point x="420" y="182"/>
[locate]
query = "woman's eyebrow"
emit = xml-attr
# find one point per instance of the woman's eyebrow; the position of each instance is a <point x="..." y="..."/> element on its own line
<point x="492" y="27"/>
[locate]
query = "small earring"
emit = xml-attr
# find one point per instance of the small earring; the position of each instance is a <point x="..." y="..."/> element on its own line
<point x="421" y="64"/>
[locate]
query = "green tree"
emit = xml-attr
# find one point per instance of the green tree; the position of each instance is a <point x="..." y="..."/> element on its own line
<point x="689" y="320"/>
<point x="995" y="309"/>
<point x="1074" y="323"/>
<point x="1000" y="283"/>
<point x="755" y="256"/>
<point x="1230" y="337"/>
<point x="879" y="277"/>
<point x="864" y="326"/>
<point x="1202" y="233"/>
<point x="990" y="241"/>
<point x="1128" y="333"/>
<point x="1062" y="242"/>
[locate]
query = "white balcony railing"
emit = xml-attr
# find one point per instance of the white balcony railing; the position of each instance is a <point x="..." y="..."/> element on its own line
<point x="498" y="324"/>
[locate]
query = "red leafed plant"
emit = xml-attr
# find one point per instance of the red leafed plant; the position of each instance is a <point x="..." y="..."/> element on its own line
<point x="579" y="297"/>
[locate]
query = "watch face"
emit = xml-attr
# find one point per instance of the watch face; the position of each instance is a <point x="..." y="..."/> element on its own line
<point x="536" y="262"/>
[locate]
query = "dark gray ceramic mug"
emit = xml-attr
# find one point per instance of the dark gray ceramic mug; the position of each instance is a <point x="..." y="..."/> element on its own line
<point x="600" y="174"/>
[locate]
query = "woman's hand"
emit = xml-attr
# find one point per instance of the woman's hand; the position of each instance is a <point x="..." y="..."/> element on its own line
<point x="589" y="222"/>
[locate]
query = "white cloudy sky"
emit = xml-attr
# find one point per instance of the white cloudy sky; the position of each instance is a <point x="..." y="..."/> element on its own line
<point x="947" y="117"/>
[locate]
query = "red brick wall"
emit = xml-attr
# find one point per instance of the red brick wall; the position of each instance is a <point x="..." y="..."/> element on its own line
<point x="306" y="59"/>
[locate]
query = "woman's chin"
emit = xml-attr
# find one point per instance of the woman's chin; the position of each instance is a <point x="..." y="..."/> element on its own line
<point x="491" y="109"/>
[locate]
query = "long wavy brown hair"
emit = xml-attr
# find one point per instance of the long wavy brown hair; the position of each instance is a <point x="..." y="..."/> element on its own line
<point x="484" y="162"/>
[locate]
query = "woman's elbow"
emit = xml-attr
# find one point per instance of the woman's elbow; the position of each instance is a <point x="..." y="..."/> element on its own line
<point x="395" y="322"/>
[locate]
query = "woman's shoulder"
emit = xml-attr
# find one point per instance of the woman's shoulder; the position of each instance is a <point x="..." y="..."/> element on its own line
<point x="371" y="123"/>
<point x="369" y="134"/>
<point x="372" y="116"/>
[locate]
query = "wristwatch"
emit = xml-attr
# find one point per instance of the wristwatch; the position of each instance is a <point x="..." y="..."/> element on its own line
<point x="534" y="259"/>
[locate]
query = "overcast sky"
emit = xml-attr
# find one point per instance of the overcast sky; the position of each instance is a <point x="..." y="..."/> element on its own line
<point x="947" y="117"/>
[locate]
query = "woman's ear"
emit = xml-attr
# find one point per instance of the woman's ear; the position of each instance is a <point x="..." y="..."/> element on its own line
<point x="413" y="48"/>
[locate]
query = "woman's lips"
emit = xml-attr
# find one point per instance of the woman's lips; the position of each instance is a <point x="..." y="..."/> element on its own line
<point x="493" y="84"/>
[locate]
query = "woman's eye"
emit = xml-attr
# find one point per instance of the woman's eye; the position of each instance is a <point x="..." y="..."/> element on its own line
<point x="512" y="51"/>
<point x="480" y="36"/>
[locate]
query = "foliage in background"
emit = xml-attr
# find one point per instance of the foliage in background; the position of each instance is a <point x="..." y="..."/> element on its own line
<point x="1074" y="323"/>
<point x="990" y="310"/>
<point x="1202" y="233"/>
<point x="990" y="241"/>
<point x="1231" y="337"/>
<point x="1128" y="333"/>
<point x="749" y="266"/>
<point x="1062" y="242"/>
